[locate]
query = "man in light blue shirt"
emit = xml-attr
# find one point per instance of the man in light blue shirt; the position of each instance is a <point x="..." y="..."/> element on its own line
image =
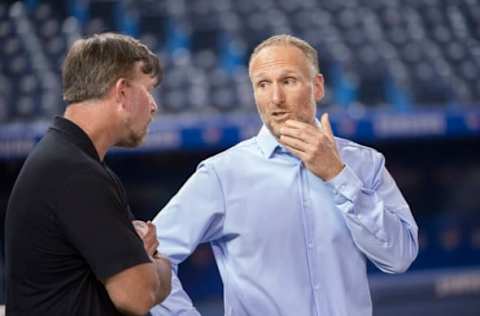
<point x="294" y="213"/>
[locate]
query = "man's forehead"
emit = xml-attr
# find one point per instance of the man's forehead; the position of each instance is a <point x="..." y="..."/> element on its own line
<point x="279" y="51"/>
<point x="278" y="59"/>
<point x="277" y="71"/>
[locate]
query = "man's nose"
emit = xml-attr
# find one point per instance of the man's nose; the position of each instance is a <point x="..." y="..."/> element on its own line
<point x="153" y="105"/>
<point x="278" y="95"/>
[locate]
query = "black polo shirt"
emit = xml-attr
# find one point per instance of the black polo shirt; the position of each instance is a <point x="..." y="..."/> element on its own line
<point x="68" y="225"/>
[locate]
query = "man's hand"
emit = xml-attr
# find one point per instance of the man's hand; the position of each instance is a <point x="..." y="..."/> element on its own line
<point x="148" y="233"/>
<point x="313" y="145"/>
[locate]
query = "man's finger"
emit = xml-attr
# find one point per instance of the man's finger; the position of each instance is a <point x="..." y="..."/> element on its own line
<point x="299" y="154"/>
<point x="140" y="227"/>
<point x="296" y="124"/>
<point x="152" y="227"/>
<point x="300" y="134"/>
<point x="327" y="128"/>
<point x="308" y="128"/>
<point x="293" y="142"/>
<point x="153" y="248"/>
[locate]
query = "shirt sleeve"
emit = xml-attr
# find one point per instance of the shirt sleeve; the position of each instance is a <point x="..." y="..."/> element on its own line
<point x="377" y="215"/>
<point x="95" y="221"/>
<point x="193" y="216"/>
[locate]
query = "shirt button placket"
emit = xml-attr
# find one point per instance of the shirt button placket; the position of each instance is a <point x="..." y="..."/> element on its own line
<point x="311" y="246"/>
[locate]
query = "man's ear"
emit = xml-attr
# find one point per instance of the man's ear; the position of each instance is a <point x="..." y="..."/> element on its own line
<point x="119" y="90"/>
<point x="318" y="87"/>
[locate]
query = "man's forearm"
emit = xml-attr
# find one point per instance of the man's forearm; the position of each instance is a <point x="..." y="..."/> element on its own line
<point x="164" y="275"/>
<point x="177" y="303"/>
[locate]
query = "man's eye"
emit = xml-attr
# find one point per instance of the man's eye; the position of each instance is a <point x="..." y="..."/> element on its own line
<point x="262" y="84"/>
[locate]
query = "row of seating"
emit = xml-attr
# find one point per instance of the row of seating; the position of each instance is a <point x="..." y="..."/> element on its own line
<point x="384" y="54"/>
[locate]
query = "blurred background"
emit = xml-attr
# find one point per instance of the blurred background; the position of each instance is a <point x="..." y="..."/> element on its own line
<point x="402" y="76"/>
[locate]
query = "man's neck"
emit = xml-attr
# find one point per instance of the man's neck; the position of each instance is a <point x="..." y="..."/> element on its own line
<point x="94" y="121"/>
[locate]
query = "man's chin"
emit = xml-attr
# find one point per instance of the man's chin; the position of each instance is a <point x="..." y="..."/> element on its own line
<point x="274" y="129"/>
<point x="130" y="143"/>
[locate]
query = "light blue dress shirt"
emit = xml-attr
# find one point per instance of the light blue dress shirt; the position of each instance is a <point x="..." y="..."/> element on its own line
<point x="285" y="241"/>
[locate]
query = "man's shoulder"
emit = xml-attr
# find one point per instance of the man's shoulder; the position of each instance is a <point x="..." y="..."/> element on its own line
<point x="348" y="146"/>
<point x="56" y="160"/>
<point x="363" y="160"/>
<point x="53" y="147"/>
<point x="242" y="150"/>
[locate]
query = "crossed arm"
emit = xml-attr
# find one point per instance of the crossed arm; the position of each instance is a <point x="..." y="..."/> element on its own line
<point x="137" y="289"/>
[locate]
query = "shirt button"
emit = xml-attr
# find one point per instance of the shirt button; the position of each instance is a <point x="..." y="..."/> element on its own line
<point x="310" y="245"/>
<point x="316" y="287"/>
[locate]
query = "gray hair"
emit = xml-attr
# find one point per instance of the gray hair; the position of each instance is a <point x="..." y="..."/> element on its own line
<point x="289" y="40"/>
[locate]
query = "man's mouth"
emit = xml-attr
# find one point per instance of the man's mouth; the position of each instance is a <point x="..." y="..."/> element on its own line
<point x="280" y="114"/>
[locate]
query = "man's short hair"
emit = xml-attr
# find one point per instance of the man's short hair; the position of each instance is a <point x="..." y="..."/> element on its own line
<point x="94" y="64"/>
<point x="289" y="40"/>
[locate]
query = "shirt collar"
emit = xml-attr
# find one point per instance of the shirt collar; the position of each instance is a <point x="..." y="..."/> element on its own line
<point x="267" y="142"/>
<point x="76" y="135"/>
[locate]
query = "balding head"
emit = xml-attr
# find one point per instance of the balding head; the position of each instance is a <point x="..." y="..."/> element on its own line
<point x="289" y="40"/>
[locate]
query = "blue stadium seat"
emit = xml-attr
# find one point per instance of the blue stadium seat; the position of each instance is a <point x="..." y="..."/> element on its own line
<point x="414" y="48"/>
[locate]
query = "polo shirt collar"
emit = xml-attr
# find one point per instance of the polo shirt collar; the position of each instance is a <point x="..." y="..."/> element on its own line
<point x="76" y="135"/>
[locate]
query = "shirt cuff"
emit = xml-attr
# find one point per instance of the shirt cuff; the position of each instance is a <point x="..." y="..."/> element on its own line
<point x="345" y="186"/>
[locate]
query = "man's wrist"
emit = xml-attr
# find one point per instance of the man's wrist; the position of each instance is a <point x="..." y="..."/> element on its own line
<point x="337" y="171"/>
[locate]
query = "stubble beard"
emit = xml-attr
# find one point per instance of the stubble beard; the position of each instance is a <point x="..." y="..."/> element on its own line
<point x="133" y="139"/>
<point x="274" y="125"/>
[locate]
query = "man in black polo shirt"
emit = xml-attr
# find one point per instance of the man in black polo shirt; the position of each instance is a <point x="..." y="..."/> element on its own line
<point x="71" y="248"/>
